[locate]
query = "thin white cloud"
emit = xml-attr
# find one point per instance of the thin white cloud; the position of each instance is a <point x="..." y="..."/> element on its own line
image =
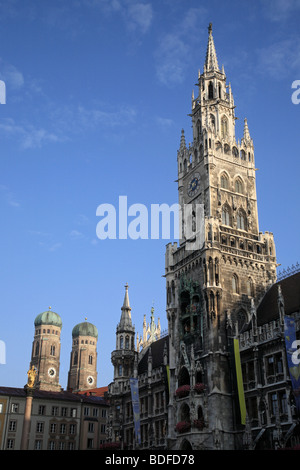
<point x="280" y="10"/>
<point x="175" y="47"/>
<point x="54" y="247"/>
<point x="164" y="123"/>
<point x="171" y="59"/>
<point x="280" y="59"/>
<point x="108" y="118"/>
<point x="136" y="15"/>
<point x="139" y="16"/>
<point x="8" y="196"/>
<point x="11" y="76"/>
<point x="76" y="235"/>
<point x="28" y="135"/>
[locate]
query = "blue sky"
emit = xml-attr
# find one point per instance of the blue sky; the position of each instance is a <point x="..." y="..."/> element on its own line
<point x="97" y="93"/>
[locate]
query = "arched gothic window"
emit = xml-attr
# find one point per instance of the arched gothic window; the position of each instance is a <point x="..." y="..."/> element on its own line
<point x="224" y="181"/>
<point x="75" y="361"/>
<point x="225" y="216"/>
<point x="250" y="290"/>
<point x="235" y="151"/>
<point x="241" y="319"/>
<point x="235" y="287"/>
<point x="185" y="412"/>
<point x="210" y="91"/>
<point x="198" y="130"/>
<point x="238" y="186"/>
<point x="183" y="377"/>
<point x="241" y="220"/>
<point x="224" y="127"/>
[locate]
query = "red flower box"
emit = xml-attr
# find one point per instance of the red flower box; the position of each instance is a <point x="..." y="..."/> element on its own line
<point x="183" y="391"/>
<point x="199" y="423"/>
<point x="110" y="446"/>
<point x="183" y="426"/>
<point x="199" y="388"/>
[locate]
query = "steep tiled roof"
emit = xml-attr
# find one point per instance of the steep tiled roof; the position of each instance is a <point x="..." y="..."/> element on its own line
<point x="268" y="308"/>
<point x="43" y="394"/>
<point x="157" y="351"/>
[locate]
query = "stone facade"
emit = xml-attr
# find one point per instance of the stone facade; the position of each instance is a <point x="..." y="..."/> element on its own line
<point x="58" y="421"/>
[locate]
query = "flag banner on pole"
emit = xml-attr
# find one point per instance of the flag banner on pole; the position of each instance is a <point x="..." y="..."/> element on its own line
<point x="238" y="386"/>
<point x="239" y="380"/>
<point x="134" y="386"/>
<point x="293" y="359"/>
<point x="166" y="372"/>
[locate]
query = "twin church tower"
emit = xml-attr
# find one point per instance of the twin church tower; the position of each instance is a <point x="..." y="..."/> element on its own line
<point x="45" y="356"/>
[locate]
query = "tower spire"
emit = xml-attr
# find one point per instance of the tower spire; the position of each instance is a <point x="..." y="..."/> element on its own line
<point x="211" y="61"/>
<point x="125" y="320"/>
<point x="182" y="140"/>
<point x="126" y="305"/>
<point x="246" y="131"/>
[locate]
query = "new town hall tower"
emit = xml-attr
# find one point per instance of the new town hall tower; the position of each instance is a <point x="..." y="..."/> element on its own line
<point x="221" y="268"/>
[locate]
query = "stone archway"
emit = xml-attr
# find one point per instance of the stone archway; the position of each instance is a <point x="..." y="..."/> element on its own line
<point x="186" y="445"/>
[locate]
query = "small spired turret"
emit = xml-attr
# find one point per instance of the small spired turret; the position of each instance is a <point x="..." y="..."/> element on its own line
<point x="124" y="355"/>
<point x="83" y="361"/>
<point x="151" y="333"/>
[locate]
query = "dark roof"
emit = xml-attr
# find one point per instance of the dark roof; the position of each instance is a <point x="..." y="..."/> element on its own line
<point x="268" y="308"/>
<point x="62" y="395"/>
<point x="157" y="351"/>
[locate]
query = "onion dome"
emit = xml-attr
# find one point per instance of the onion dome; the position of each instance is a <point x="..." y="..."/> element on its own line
<point x="48" y="318"/>
<point x="85" y="329"/>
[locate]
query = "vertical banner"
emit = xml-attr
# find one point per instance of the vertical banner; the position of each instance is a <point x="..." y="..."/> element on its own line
<point x="134" y="386"/>
<point x="293" y="360"/>
<point x="166" y="372"/>
<point x="239" y="380"/>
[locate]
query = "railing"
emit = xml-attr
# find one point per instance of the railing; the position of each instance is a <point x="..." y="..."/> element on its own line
<point x="288" y="272"/>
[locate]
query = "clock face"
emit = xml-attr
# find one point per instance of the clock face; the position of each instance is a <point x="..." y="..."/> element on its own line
<point x="90" y="380"/>
<point x="194" y="185"/>
<point x="51" y="372"/>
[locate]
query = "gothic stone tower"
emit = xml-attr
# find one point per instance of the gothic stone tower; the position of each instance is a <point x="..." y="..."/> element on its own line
<point x="45" y="356"/>
<point x="222" y="264"/>
<point x="83" y="362"/>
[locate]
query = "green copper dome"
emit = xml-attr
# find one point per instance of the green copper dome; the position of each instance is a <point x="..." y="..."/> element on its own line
<point x="48" y="318"/>
<point x="85" y="329"/>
